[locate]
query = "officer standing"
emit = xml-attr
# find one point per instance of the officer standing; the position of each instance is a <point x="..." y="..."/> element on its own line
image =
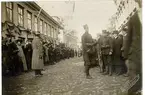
<point x="87" y="42"/>
<point x="106" y="46"/>
<point x="117" y="45"/>
<point x="37" y="56"/>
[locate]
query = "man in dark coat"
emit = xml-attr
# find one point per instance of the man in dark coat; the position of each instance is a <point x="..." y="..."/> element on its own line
<point x="106" y="46"/>
<point x="134" y="50"/>
<point x="28" y="53"/>
<point x="126" y="67"/>
<point x="117" y="45"/>
<point x="87" y="42"/>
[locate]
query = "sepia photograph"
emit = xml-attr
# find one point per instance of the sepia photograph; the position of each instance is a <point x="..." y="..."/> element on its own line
<point x="71" y="47"/>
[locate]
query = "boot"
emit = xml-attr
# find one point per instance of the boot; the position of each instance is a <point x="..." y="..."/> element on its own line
<point x="88" y="77"/>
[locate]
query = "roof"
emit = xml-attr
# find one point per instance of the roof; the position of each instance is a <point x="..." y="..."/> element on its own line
<point x="36" y="6"/>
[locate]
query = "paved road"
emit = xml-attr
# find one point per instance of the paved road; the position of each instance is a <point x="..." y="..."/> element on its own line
<point x="65" y="78"/>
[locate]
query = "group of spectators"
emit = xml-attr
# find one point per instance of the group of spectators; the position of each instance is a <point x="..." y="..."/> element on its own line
<point x="18" y="54"/>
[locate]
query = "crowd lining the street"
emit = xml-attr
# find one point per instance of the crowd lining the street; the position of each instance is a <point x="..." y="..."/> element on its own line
<point x="20" y="56"/>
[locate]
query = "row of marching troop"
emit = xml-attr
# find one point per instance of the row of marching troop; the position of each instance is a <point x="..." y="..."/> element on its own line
<point x="20" y="55"/>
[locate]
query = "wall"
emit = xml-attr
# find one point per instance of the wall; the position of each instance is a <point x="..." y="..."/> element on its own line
<point x="31" y="9"/>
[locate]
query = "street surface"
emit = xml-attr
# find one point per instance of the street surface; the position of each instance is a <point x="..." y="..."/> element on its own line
<point x="65" y="78"/>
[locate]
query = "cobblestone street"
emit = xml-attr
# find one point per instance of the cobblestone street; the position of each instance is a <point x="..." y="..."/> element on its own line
<point x="65" y="78"/>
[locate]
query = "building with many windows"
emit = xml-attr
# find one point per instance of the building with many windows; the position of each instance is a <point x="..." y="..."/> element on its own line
<point x="24" y="17"/>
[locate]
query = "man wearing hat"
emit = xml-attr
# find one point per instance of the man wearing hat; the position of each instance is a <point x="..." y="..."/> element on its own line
<point x="87" y="43"/>
<point x="106" y="46"/>
<point x="123" y="49"/>
<point x="117" y="45"/>
<point x="37" y="56"/>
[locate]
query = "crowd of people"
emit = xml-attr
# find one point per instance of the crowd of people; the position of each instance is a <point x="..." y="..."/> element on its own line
<point x="115" y="52"/>
<point x="21" y="55"/>
<point x="109" y="51"/>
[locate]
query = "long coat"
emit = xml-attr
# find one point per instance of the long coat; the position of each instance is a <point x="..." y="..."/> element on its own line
<point x="134" y="50"/>
<point x="117" y="45"/>
<point x="37" y="56"/>
<point x="86" y="39"/>
<point x="28" y="53"/>
<point x="22" y="57"/>
<point x="46" y="53"/>
<point x="124" y="46"/>
<point x="134" y="43"/>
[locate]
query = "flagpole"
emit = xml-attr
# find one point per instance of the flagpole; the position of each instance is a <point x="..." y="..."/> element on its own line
<point x="39" y="13"/>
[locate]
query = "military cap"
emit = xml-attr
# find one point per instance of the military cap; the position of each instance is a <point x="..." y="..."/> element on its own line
<point x="115" y="32"/>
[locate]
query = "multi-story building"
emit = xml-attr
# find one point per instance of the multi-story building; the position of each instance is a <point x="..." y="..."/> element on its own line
<point x="29" y="17"/>
<point x="125" y="10"/>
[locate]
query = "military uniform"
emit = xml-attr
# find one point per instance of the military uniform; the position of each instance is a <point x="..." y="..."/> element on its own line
<point x="106" y="45"/>
<point x="86" y="40"/>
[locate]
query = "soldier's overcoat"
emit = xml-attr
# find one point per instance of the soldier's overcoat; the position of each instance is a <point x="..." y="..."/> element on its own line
<point x="86" y="39"/>
<point x="37" y="57"/>
<point x="117" y="53"/>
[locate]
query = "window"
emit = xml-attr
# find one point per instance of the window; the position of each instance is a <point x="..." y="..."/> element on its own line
<point x="35" y="23"/>
<point x="29" y="20"/>
<point x="41" y="25"/>
<point x="45" y="25"/>
<point x="52" y="32"/>
<point x="20" y="16"/>
<point x="48" y="30"/>
<point x="9" y="8"/>
<point x="55" y="33"/>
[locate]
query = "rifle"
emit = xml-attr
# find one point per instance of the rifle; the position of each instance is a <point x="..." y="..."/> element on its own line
<point x="99" y="58"/>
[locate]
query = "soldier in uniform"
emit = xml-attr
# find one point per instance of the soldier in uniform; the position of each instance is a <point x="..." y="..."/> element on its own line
<point x="106" y="46"/>
<point x="37" y="56"/>
<point x="87" y="42"/>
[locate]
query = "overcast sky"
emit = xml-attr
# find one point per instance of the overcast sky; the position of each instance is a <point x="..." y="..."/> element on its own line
<point x="95" y="13"/>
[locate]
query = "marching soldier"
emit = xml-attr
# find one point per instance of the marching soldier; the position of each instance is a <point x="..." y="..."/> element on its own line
<point x="106" y="45"/>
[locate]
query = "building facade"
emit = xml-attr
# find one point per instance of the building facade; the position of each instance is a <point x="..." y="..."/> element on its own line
<point x="125" y="10"/>
<point x="30" y="17"/>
